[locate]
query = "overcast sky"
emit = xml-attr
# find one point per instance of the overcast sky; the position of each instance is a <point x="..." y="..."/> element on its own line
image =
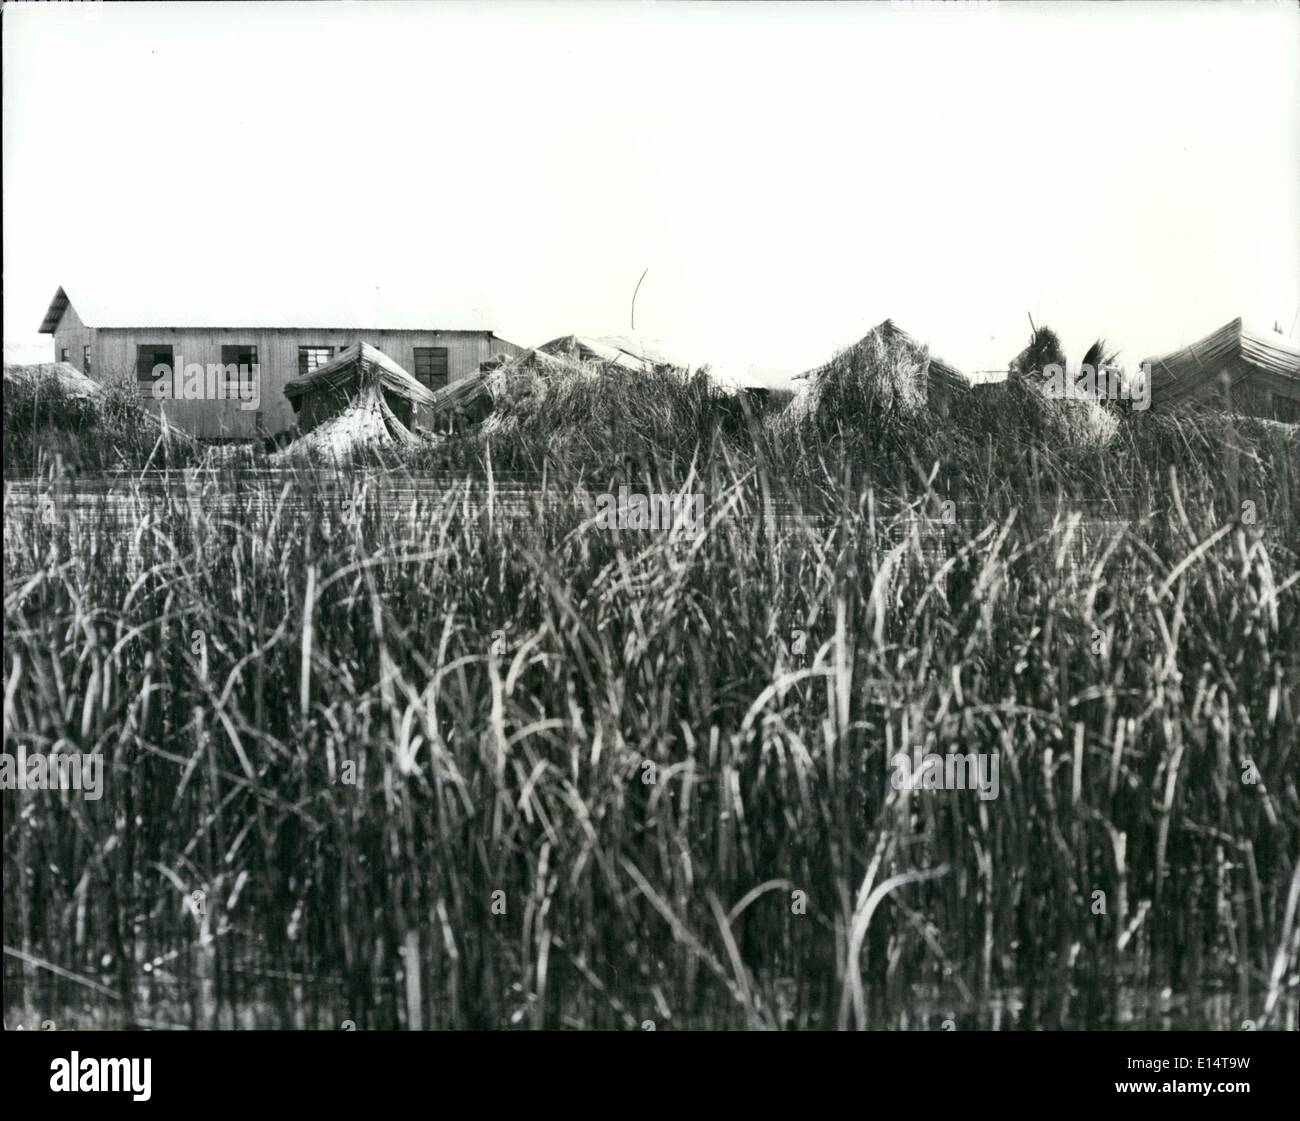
<point x="788" y="174"/>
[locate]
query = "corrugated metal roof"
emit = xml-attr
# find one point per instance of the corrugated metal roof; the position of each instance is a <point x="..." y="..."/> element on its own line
<point x="371" y="309"/>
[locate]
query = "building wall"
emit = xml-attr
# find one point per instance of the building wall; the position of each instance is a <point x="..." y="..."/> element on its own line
<point x="73" y="336"/>
<point x="114" y="351"/>
<point x="1260" y="393"/>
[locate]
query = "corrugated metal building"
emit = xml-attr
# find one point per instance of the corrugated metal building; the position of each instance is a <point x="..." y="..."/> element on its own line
<point x="267" y="347"/>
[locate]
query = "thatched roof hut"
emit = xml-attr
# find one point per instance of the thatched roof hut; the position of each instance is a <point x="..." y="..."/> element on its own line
<point x="609" y="350"/>
<point x="63" y="377"/>
<point x="1237" y="368"/>
<point x="462" y="403"/>
<point x="467" y="402"/>
<point x="360" y="399"/>
<point x="943" y="380"/>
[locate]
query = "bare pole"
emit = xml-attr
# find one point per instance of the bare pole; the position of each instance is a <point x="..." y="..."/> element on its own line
<point x="634" y="292"/>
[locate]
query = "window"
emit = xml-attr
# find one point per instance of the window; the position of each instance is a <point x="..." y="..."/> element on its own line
<point x="313" y="358"/>
<point x="147" y="356"/>
<point x="85" y="359"/>
<point x="431" y="366"/>
<point x="63" y="354"/>
<point x="244" y="360"/>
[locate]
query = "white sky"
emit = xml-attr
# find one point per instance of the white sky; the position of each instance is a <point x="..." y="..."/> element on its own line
<point x="789" y="174"/>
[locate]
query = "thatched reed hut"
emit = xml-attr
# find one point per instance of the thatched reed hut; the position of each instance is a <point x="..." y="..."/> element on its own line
<point x="944" y="383"/>
<point x="361" y="399"/>
<point x="60" y="377"/>
<point x="609" y="350"/>
<point x="1238" y="368"/>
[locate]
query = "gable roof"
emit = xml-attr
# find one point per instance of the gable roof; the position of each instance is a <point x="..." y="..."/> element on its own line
<point x="57" y="307"/>
<point x="1235" y="349"/>
<point x="366" y="310"/>
<point x="944" y="371"/>
<point x="352" y="366"/>
<point x="616" y="350"/>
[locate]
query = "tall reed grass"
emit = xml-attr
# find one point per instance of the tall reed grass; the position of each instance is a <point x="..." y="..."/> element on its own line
<point x="471" y="761"/>
<point x="43" y="422"/>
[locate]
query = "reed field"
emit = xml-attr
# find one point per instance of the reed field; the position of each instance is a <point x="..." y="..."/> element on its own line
<point x="469" y="758"/>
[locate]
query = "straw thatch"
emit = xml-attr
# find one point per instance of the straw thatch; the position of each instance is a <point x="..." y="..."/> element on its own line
<point x="354" y="367"/>
<point x="609" y="350"/>
<point x="61" y="376"/>
<point x="359" y="401"/>
<point x="942" y="381"/>
<point x="366" y="423"/>
<point x="1029" y="413"/>
<point x="1237" y="368"/>
<point x="462" y="403"/>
